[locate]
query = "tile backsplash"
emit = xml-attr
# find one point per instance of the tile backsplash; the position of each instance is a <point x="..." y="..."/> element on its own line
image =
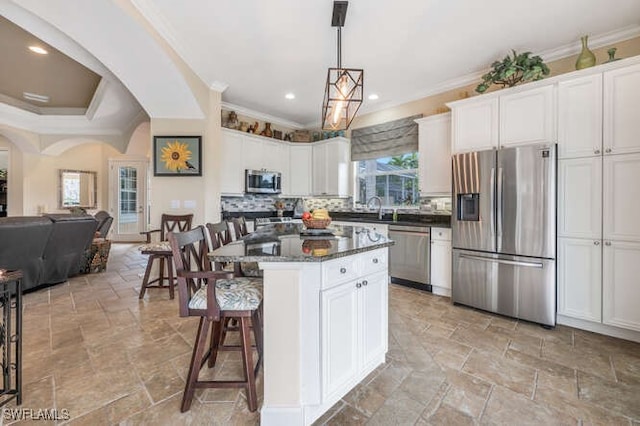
<point x="264" y="203"/>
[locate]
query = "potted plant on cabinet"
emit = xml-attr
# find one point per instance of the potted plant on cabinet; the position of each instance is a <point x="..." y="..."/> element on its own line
<point x="514" y="69"/>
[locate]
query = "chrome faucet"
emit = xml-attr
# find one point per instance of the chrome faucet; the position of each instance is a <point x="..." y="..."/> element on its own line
<point x="379" y="206"/>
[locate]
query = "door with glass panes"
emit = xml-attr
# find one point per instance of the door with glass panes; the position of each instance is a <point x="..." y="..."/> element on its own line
<point x="128" y="199"/>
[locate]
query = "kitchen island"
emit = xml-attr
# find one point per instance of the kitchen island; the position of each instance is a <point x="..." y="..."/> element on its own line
<point x="325" y="314"/>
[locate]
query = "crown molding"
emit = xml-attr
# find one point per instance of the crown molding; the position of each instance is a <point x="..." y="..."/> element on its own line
<point x="595" y="42"/>
<point x="218" y="86"/>
<point x="262" y="116"/>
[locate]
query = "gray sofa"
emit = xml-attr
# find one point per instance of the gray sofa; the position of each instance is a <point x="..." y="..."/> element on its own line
<point x="48" y="249"/>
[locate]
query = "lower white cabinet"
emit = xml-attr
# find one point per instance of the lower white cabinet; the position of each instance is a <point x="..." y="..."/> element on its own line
<point x="598" y="281"/>
<point x="621" y="284"/>
<point x="441" y="261"/>
<point x="580" y="278"/>
<point x="354" y="335"/>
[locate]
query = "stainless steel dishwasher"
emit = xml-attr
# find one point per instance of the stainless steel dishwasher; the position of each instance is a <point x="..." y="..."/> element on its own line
<point x="409" y="256"/>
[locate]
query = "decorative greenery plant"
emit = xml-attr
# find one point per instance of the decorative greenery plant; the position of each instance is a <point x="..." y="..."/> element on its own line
<point x="513" y="70"/>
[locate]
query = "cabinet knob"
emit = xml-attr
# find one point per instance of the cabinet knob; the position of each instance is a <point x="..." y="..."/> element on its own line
<point x="365" y="282"/>
<point x="343" y="270"/>
<point x="375" y="260"/>
<point x="596" y="151"/>
<point x="607" y="243"/>
<point x="596" y="243"/>
<point x="358" y="285"/>
<point x="607" y="150"/>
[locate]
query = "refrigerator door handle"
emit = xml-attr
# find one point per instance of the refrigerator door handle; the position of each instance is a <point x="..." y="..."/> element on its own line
<point x="500" y="201"/>
<point x="503" y="261"/>
<point x="493" y="197"/>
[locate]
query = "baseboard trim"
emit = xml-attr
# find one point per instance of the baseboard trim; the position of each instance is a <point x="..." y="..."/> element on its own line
<point x="596" y="327"/>
<point x="281" y="416"/>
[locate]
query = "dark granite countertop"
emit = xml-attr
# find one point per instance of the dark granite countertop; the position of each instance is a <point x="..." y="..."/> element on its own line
<point x="406" y="219"/>
<point x="283" y="243"/>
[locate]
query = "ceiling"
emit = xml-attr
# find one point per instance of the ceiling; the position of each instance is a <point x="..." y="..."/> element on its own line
<point x="408" y="48"/>
<point x="69" y="85"/>
<point x="257" y="51"/>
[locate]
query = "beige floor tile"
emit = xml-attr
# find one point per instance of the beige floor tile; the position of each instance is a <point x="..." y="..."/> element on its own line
<point x="466" y="393"/>
<point x="92" y="347"/>
<point x="506" y="407"/>
<point x="501" y="371"/>
<point x="399" y="409"/>
<point x="617" y="397"/>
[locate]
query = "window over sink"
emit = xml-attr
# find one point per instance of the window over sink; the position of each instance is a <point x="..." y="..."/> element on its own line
<point x="394" y="179"/>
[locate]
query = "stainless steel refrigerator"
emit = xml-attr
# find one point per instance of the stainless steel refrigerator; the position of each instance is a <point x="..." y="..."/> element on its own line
<point x="504" y="231"/>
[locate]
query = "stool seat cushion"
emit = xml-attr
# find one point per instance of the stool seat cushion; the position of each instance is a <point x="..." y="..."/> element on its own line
<point x="161" y="246"/>
<point x="237" y="294"/>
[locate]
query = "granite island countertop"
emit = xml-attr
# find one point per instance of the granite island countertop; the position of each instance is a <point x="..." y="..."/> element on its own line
<point x="283" y="243"/>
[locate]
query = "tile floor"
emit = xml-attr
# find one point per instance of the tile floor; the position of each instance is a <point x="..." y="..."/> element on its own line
<point x="92" y="347"/>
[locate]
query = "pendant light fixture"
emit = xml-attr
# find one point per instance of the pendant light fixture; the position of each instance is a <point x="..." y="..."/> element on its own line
<point x="343" y="93"/>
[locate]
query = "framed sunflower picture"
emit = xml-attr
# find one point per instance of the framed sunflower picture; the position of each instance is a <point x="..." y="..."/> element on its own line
<point x="177" y="156"/>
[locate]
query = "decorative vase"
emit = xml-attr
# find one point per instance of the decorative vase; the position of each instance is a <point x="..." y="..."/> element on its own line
<point x="612" y="53"/>
<point x="267" y="130"/>
<point x="586" y="58"/>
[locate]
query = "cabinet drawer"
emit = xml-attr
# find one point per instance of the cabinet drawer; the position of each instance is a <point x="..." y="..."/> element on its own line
<point x="339" y="270"/>
<point x="441" y="234"/>
<point x="374" y="261"/>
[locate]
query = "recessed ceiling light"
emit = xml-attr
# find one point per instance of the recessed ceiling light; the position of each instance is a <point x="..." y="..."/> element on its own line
<point x="373" y="97"/>
<point x="290" y="96"/>
<point x="34" y="97"/>
<point x="37" y="49"/>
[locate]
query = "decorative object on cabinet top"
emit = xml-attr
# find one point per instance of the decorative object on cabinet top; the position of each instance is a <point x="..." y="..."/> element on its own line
<point x="513" y="70"/>
<point x="612" y="53"/>
<point x="586" y="58"/>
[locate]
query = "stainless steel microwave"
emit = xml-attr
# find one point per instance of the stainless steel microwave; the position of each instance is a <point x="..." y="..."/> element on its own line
<point x="263" y="182"/>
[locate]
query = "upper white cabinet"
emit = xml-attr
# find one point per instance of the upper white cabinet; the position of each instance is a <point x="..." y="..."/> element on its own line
<point x="331" y="165"/>
<point x="580" y="117"/>
<point x="528" y="116"/>
<point x="300" y="170"/>
<point x="231" y="164"/>
<point x="621" y="189"/>
<point x="253" y="153"/>
<point x="621" y="106"/>
<point x="434" y="154"/>
<point x="475" y="124"/>
<point x="580" y="197"/>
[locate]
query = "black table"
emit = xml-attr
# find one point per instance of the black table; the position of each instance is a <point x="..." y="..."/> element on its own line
<point x="11" y="336"/>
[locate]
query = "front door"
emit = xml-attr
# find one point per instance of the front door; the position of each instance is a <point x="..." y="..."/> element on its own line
<point x="128" y="198"/>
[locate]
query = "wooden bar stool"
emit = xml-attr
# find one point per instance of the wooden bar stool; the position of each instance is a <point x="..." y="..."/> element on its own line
<point x="216" y="297"/>
<point x="161" y="251"/>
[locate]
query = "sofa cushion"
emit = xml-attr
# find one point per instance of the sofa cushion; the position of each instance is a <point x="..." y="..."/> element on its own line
<point x="70" y="237"/>
<point x="22" y="243"/>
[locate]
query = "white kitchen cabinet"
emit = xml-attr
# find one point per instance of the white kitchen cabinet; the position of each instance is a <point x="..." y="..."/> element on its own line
<point x="621" y="125"/>
<point x="441" y="261"/>
<point x="580" y="278"/>
<point x="331" y="164"/>
<point x="621" y="284"/>
<point x="300" y="170"/>
<point x="580" y="197"/>
<point x="231" y="164"/>
<point x="353" y="333"/>
<point x="253" y="153"/>
<point x="580" y="117"/>
<point x="474" y="124"/>
<point x="434" y="155"/>
<point x="340" y="328"/>
<point x="621" y="188"/>
<point x="528" y="116"/>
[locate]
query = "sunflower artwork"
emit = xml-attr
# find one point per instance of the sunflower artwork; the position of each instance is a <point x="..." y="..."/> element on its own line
<point x="177" y="155"/>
